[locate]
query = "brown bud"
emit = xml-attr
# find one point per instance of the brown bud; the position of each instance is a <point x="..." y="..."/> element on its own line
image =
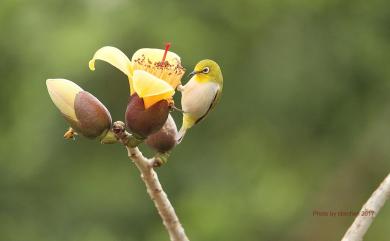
<point x="144" y="122"/>
<point x="93" y="118"/>
<point x="165" y="139"/>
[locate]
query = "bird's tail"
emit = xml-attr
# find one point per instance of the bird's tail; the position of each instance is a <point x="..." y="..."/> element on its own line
<point x="188" y="122"/>
<point x="181" y="134"/>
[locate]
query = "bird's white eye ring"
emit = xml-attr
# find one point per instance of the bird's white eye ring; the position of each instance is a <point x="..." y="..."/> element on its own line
<point x="206" y="70"/>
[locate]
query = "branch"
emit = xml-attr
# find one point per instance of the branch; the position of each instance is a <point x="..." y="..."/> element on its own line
<point x="153" y="186"/>
<point x="374" y="204"/>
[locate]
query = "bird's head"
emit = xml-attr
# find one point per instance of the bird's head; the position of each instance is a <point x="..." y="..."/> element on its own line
<point x="207" y="70"/>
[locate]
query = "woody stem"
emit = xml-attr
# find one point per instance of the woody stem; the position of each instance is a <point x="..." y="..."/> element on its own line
<point x="153" y="185"/>
<point x="373" y="205"/>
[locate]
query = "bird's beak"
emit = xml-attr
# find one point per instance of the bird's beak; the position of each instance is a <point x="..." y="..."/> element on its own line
<point x="193" y="73"/>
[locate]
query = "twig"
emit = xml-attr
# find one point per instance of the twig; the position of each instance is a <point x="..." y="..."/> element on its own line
<point x="368" y="212"/>
<point x="153" y="186"/>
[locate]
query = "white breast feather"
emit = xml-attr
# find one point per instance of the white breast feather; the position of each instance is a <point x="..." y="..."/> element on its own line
<point x="197" y="97"/>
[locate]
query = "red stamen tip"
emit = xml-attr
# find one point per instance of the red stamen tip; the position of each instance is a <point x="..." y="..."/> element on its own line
<point x="167" y="46"/>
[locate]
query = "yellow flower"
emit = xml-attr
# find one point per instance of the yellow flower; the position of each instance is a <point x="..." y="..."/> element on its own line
<point x="153" y="74"/>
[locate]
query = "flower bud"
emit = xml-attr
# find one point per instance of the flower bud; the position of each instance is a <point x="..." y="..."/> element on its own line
<point x="143" y="122"/>
<point x="83" y="111"/>
<point x="165" y="139"/>
<point x="94" y="118"/>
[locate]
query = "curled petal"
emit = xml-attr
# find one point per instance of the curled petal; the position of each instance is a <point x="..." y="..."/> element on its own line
<point x="151" y="88"/>
<point x="63" y="93"/>
<point x="114" y="57"/>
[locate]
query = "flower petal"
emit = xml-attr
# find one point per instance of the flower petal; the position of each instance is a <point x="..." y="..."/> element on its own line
<point x="151" y="88"/>
<point x="114" y="57"/>
<point x="131" y="85"/>
<point x="155" y="55"/>
<point x="63" y="93"/>
<point x="151" y="100"/>
<point x="146" y="84"/>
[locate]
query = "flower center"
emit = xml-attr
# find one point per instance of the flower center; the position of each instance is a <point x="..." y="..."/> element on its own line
<point x="163" y="64"/>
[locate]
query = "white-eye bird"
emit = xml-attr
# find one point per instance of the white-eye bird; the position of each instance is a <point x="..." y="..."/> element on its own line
<point x="200" y="95"/>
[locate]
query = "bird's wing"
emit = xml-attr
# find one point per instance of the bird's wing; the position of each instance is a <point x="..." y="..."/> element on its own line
<point x="212" y="105"/>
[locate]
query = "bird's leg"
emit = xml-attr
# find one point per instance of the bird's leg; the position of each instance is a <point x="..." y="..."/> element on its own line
<point x="171" y="104"/>
<point x="175" y="108"/>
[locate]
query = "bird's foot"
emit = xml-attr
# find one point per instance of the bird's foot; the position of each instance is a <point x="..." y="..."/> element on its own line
<point x="180" y="88"/>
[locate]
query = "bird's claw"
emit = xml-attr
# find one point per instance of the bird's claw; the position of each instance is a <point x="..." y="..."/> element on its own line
<point x="180" y="88"/>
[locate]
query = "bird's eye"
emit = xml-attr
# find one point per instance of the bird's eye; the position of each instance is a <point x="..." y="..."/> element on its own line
<point x="206" y="70"/>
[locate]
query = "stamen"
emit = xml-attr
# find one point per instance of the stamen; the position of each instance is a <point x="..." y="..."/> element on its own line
<point x="167" y="46"/>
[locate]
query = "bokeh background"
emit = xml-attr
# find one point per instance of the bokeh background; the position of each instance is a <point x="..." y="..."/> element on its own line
<point x="303" y="123"/>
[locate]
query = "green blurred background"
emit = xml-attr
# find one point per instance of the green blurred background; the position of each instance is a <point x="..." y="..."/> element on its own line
<point x="303" y="123"/>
